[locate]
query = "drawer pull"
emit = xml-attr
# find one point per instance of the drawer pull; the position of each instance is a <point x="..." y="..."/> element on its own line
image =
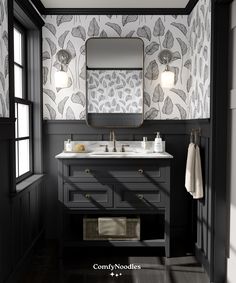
<point x="87" y="196"/>
<point x="140" y="171"/>
<point x="140" y="196"/>
<point x="87" y="171"/>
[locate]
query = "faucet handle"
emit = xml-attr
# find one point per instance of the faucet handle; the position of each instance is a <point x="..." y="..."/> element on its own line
<point x="123" y="147"/>
<point x="106" y="147"/>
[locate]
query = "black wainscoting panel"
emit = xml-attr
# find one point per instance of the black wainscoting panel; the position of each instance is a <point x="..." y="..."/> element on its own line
<point x="204" y="226"/>
<point x="53" y="144"/>
<point x="21" y="214"/>
<point x="27" y="219"/>
<point x="93" y="137"/>
<point x="148" y="127"/>
<point x="5" y="211"/>
<point x="180" y="201"/>
<point x="6" y="128"/>
<point x="175" y="133"/>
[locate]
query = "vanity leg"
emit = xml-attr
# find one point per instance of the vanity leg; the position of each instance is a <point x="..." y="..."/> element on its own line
<point x="168" y="241"/>
<point x="167" y="232"/>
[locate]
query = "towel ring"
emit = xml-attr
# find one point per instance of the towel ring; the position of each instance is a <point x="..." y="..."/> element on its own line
<point x="192" y="138"/>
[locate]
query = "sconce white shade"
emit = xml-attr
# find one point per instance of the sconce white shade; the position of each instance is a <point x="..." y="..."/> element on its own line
<point x="61" y="79"/>
<point x="167" y="79"/>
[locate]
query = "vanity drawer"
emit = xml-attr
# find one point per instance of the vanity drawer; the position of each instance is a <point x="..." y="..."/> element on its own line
<point x="134" y="170"/>
<point x="138" y="172"/>
<point x="140" y="195"/>
<point x="84" y="195"/>
<point x="75" y="171"/>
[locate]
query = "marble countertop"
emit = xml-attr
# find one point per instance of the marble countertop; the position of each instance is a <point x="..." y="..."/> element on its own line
<point x="94" y="151"/>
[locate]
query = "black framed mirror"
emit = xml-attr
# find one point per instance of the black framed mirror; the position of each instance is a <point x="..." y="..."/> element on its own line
<point x="114" y="82"/>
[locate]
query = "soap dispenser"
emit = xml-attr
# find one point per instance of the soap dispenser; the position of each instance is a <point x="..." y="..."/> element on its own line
<point x="158" y="143"/>
<point x="68" y="146"/>
<point x="144" y="143"/>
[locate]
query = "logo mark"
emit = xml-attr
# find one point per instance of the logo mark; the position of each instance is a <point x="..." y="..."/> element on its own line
<point x="112" y="274"/>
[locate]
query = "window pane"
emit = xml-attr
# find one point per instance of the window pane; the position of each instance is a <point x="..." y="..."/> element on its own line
<point x="17" y="172"/>
<point x="18" y="81"/>
<point x="23" y="120"/>
<point x="17" y="47"/>
<point x="24" y="162"/>
<point x="16" y="123"/>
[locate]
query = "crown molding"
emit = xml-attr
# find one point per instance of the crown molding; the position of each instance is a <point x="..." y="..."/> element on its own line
<point x="189" y="7"/>
<point x="39" y="6"/>
<point x="27" y="9"/>
<point x="114" y="11"/>
<point x="119" y="11"/>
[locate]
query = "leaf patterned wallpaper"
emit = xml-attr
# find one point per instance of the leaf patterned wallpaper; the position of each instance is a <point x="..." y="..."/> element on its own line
<point x="199" y="62"/>
<point x="117" y="91"/>
<point x="188" y="37"/>
<point x="4" y="81"/>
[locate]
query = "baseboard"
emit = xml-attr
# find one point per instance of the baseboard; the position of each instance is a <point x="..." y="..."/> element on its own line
<point x="23" y="262"/>
<point x="203" y="260"/>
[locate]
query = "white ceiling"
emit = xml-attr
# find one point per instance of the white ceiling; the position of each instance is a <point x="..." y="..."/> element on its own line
<point x="115" y="3"/>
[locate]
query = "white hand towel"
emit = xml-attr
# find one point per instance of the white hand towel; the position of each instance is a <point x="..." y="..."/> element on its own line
<point x="190" y="169"/>
<point x="198" y="184"/>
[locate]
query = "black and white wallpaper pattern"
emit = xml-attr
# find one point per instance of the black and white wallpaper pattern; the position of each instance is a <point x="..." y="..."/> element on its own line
<point x="117" y="91"/>
<point x="199" y="62"/>
<point x="4" y="80"/>
<point x="158" y="32"/>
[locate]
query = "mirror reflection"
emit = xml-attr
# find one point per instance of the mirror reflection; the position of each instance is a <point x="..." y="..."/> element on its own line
<point x="114" y="80"/>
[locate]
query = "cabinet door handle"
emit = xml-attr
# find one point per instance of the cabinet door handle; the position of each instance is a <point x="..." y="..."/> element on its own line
<point x="87" y="196"/>
<point x="87" y="171"/>
<point x="140" y="196"/>
<point x="140" y="171"/>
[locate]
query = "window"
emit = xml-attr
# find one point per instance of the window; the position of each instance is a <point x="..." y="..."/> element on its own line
<point x="23" y="107"/>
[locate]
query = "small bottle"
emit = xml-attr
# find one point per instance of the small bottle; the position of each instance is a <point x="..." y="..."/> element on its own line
<point x="144" y="143"/>
<point x="68" y="146"/>
<point x="158" y="143"/>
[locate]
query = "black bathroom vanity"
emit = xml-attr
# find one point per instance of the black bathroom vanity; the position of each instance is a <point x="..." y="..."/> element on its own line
<point x="136" y="188"/>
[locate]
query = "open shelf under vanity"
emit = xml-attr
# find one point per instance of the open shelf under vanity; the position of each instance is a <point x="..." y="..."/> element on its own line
<point x="152" y="231"/>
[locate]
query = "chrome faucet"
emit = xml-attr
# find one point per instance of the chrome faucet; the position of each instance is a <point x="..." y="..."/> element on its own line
<point x="113" y="139"/>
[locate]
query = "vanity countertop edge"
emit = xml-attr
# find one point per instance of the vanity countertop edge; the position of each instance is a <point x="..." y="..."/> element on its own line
<point x="66" y="155"/>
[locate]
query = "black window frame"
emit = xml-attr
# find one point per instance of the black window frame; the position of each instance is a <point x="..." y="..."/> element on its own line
<point x="24" y="101"/>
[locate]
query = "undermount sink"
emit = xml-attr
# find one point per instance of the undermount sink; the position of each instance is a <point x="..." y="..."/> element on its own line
<point x="111" y="153"/>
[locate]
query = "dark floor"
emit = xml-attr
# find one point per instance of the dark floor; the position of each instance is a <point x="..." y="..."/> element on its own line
<point x="77" y="267"/>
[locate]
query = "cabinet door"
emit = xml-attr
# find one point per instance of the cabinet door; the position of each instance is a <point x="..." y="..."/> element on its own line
<point x="84" y="195"/>
<point x="141" y="195"/>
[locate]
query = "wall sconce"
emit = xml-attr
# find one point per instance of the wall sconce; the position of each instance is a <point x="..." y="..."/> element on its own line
<point x="167" y="77"/>
<point x="61" y="76"/>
